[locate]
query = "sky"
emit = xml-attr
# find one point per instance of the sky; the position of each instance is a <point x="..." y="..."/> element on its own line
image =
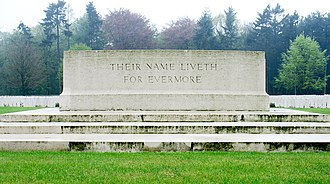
<point x="159" y="12"/>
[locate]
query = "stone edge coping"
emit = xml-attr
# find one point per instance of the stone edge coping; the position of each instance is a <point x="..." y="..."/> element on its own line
<point x="292" y="138"/>
<point x="56" y="111"/>
<point x="165" y="124"/>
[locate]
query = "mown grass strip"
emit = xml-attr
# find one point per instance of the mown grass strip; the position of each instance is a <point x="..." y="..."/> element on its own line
<point x="314" y="110"/>
<point x="151" y="167"/>
<point x="4" y="110"/>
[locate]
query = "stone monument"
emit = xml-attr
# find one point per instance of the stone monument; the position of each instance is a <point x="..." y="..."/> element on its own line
<point x="164" y="80"/>
<point x="170" y="100"/>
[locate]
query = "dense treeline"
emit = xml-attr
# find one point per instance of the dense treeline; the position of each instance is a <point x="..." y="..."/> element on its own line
<point x="31" y="58"/>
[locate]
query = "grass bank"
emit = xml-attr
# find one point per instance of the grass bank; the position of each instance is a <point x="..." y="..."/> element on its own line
<point x="4" y="110"/>
<point x="150" y="167"/>
<point x="315" y="110"/>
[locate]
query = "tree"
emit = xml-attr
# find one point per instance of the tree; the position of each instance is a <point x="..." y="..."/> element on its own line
<point x="317" y="26"/>
<point x="204" y="38"/>
<point x="179" y="34"/>
<point x="4" y="42"/>
<point x="229" y="36"/>
<point x="290" y="28"/>
<point x="23" y="72"/>
<point x="25" y="32"/>
<point x="126" y="30"/>
<point x="80" y="30"/>
<point x="303" y="70"/>
<point x="94" y="23"/>
<point x="258" y="37"/>
<point x="67" y="25"/>
<point x="269" y="33"/>
<point x="55" y="21"/>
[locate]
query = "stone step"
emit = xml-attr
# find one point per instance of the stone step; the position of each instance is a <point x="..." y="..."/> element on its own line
<point x="165" y="117"/>
<point x="305" y="138"/>
<point x="54" y="115"/>
<point x="166" y="142"/>
<point x="278" y="130"/>
<point x="165" y="128"/>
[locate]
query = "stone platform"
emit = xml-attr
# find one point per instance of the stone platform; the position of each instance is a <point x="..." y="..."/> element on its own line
<point x="277" y="130"/>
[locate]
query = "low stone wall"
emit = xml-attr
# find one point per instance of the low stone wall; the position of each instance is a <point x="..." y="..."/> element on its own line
<point x="29" y="101"/>
<point x="301" y="101"/>
<point x="321" y="101"/>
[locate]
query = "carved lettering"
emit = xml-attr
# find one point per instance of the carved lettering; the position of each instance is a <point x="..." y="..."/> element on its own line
<point x="132" y="79"/>
<point x="160" y="66"/>
<point x="163" y="79"/>
<point x="174" y="79"/>
<point x="126" y="66"/>
<point x="198" y="66"/>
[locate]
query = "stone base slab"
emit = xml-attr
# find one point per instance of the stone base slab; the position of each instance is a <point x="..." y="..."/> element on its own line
<point x="164" y="102"/>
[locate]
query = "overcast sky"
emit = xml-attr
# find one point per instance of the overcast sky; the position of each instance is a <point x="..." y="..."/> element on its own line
<point x="159" y="12"/>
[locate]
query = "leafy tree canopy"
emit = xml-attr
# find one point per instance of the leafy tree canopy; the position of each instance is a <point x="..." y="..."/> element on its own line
<point x="126" y="30"/>
<point x="179" y="34"/>
<point x="303" y="70"/>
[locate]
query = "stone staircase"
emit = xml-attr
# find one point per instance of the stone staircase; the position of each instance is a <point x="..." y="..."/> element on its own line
<point x="169" y="131"/>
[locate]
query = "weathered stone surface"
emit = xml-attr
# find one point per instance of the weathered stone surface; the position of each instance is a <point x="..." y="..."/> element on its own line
<point x="165" y="128"/>
<point x="163" y="146"/>
<point x="164" y="80"/>
<point x="165" y="142"/>
<point x="163" y="117"/>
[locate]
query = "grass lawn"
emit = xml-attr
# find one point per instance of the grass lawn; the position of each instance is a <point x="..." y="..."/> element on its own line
<point x="315" y="110"/>
<point x="151" y="167"/>
<point x="4" y="110"/>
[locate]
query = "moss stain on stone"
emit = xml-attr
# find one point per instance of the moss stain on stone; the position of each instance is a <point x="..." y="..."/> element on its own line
<point x="79" y="146"/>
<point x="217" y="146"/>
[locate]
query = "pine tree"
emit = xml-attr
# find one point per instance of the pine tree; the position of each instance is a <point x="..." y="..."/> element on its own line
<point x="68" y="34"/>
<point x="25" y="32"/>
<point x="55" y="19"/>
<point x="204" y="38"/>
<point x="268" y="34"/>
<point x="52" y="24"/>
<point x="229" y="37"/>
<point x="67" y="25"/>
<point x="261" y="30"/>
<point x="290" y="27"/>
<point x="94" y="23"/>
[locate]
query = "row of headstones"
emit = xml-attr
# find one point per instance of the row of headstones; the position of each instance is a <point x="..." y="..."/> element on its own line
<point x="301" y="101"/>
<point x="298" y="101"/>
<point x="29" y="101"/>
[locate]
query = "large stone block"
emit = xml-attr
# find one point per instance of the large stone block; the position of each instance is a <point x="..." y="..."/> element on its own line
<point x="164" y="80"/>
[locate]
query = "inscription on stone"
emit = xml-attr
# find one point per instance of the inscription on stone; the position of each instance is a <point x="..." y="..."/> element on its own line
<point x="164" y="67"/>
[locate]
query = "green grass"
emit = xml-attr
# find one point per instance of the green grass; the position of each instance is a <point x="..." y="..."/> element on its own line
<point x="4" y="110"/>
<point x="151" y="167"/>
<point x="315" y="110"/>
